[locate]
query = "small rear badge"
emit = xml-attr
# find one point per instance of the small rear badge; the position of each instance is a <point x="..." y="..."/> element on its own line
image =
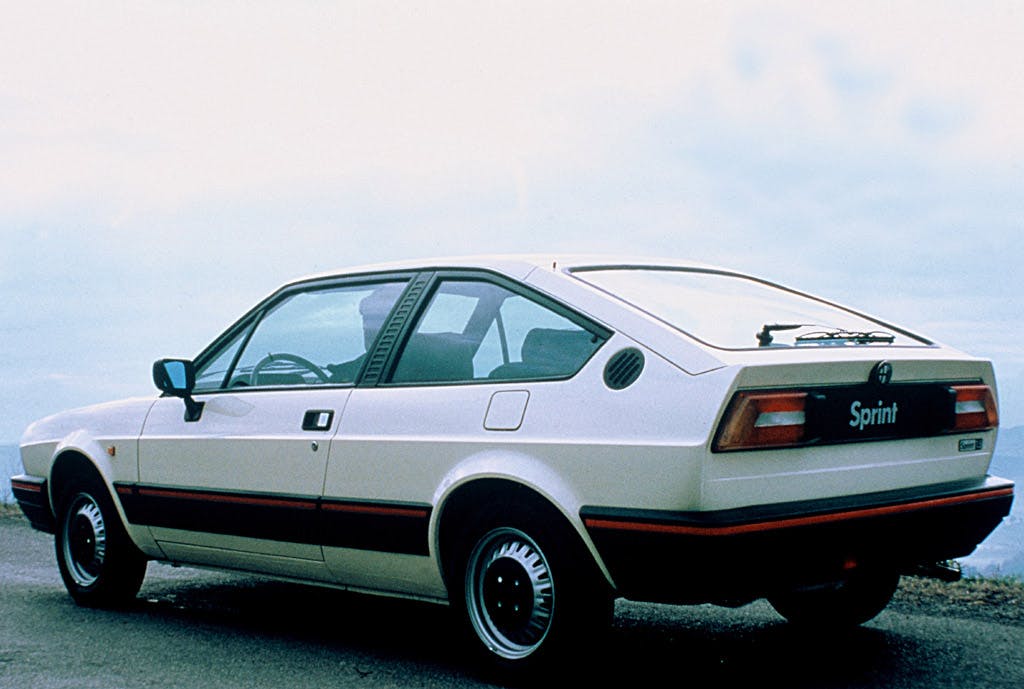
<point x="971" y="445"/>
<point x="881" y="374"/>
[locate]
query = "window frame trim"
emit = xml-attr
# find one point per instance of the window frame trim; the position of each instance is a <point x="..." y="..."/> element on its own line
<point x="415" y="314"/>
<point x="251" y="319"/>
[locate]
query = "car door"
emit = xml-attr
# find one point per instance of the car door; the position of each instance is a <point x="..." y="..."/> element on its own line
<point x="460" y="384"/>
<point x="241" y="485"/>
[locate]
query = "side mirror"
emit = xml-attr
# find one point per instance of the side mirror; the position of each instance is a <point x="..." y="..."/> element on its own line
<point x="177" y="377"/>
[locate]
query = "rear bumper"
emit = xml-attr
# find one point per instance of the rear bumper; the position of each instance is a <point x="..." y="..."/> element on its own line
<point x="751" y="552"/>
<point x="34" y="500"/>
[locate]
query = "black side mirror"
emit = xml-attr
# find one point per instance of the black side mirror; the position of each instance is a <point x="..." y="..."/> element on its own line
<point x="177" y="377"/>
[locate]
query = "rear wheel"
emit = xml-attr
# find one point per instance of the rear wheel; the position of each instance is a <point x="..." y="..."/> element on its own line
<point x="529" y="593"/>
<point x="99" y="564"/>
<point x="510" y="595"/>
<point x="849" y="603"/>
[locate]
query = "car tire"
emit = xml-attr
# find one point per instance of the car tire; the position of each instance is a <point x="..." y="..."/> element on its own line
<point x="849" y="603"/>
<point x="528" y="593"/>
<point x="99" y="564"/>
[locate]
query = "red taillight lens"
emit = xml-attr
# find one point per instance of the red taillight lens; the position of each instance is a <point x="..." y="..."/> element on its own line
<point x="763" y="419"/>
<point x="975" y="408"/>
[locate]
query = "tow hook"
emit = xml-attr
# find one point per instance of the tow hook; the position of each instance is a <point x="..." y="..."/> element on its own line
<point x="947" y="570"/>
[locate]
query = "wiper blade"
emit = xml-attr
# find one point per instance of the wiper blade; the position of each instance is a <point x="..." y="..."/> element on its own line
<point x="873" y="337"/>
<point x="827" y="336"/>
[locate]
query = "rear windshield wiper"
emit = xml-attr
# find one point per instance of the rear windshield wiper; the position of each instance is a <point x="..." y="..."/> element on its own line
<point x="764" y="338"/>
<point x="875" y="336"/>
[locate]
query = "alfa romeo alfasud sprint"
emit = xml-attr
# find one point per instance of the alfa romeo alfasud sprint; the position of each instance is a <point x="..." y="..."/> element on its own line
<point x="527" y="440"/>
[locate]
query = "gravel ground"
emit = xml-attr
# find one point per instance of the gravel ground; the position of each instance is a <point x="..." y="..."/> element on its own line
<point x="198" y="629"/>
<point x="990" y="600"/>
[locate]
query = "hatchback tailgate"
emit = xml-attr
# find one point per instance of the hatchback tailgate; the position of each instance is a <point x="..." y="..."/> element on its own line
<point x="836" y="429"/>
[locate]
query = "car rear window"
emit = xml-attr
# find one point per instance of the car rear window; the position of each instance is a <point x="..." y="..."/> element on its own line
<point x="731" y="311"/>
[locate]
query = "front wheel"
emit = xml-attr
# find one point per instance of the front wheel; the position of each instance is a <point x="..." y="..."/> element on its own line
<point x="99" y="564"/>
<point x="530" y="594"/>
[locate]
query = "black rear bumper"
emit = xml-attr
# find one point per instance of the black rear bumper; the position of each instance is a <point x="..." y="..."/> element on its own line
<point x="34" y="500"/>
<point x="751" y="552"/>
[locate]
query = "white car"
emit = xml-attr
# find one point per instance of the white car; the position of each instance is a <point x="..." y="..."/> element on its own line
<point x="528" y="439"/>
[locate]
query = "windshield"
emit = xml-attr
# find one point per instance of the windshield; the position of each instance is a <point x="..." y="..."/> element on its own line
<point x="732" y="311"/>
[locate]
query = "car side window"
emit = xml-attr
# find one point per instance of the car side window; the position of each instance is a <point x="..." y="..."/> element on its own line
<point x="474" y="330"/>
<point x="316" y="337"/>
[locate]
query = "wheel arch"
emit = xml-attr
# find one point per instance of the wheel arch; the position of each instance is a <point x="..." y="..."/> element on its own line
<point x="462" y="500"/>
<point x="98" y="561"/>
<point x="68" y="464"/>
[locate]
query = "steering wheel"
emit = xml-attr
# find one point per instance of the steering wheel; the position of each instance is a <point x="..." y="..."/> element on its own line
<point x="270" y="359"/>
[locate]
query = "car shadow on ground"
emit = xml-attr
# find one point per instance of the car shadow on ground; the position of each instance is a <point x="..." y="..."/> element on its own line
<point x="718" y="647"/>
<point x="705" y="645"/>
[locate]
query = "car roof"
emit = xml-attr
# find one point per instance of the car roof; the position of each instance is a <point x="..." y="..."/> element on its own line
<point x="513" y="265"/>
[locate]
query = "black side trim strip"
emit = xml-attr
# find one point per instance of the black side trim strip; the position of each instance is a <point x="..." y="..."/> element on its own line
<point x="363" y="525"/>
<point x="725" y="520"/>
<point x="387" y="527"/>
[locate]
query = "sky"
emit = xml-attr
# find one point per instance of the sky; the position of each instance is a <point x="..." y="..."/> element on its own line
<point x="165" y="165"/>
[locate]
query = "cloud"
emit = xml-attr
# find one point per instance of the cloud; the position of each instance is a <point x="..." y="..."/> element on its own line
<point x="168" y="164"/>
<point x="164" y="105"/>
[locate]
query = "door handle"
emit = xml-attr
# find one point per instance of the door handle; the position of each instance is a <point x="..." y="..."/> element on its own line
<point x="318" y="420"/>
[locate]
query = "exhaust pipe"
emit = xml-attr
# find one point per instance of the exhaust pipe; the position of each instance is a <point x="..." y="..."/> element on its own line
<point x="947" y="570"/>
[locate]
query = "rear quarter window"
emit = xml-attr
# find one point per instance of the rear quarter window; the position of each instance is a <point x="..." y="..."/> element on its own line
<point x="474" y="330"/>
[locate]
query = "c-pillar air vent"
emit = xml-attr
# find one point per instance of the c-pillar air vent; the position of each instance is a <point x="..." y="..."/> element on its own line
<point x="624" y="368"/>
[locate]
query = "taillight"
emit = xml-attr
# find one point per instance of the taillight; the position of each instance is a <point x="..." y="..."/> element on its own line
<point x="975" y="408"/>
<point x="763" y="419"/>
